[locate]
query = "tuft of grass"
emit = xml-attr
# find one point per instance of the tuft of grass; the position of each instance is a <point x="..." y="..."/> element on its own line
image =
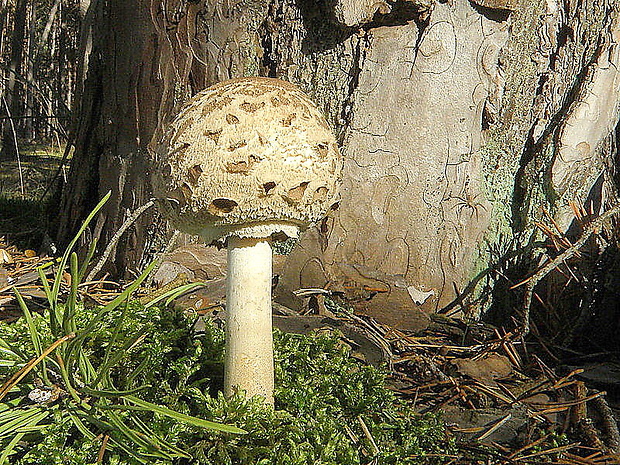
<point x="79" y="371"/>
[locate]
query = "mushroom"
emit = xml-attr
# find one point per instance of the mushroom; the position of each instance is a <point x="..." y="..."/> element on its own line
<point x="245" y="162"/>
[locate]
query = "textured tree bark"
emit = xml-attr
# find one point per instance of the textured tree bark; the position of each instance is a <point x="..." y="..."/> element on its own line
<point x="116" y="117"/>
<point x="461" y="129"/>
<point x="458" y="121"/>
<point x="3" y="26"/>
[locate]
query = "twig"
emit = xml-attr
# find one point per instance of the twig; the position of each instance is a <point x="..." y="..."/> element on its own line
<point x="580" y="402"/>
<point x="19" y="161"/>
<point x="160" y="257"/>
<point x="102" y="449"/>
<point x="368" y="436"/>
<point x="495" y="427"/>
<point x="553" y="450"/>
<point x="131" y="219"/>
<point x="609" y="424"/>
<point x="17" y="377"/>
<point x="375" y="336"/>
<point x="489" y="391"/>
<point x="529" y="446"/>
<point x="531" y="283"/>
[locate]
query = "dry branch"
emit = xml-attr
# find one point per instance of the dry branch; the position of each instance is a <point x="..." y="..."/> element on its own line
<point x="531" y="283"/>
<point x="131" y="219"/>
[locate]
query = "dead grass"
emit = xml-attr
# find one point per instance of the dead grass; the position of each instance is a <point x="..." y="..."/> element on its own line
<point x="25" y="186"/>
<point x="29" y="177"/>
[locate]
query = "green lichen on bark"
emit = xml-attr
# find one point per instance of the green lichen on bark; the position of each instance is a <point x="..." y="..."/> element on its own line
<point x="502" y="147"/>
<point x="504" y="142"/>
<point x="545" y="63"/>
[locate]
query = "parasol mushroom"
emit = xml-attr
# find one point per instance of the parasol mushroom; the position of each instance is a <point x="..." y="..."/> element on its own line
<point x="245" y="162"/>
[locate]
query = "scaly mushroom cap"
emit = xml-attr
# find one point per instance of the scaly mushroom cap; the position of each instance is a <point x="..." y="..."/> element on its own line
<point x="250" y="157"/>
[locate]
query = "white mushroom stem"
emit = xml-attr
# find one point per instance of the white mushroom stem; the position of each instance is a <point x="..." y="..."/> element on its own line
<point x="248" y="364"/>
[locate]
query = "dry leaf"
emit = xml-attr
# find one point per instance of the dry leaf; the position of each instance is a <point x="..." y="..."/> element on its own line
<point x="30" y="253"/>
<point x="486" y="370"/>
<point x="5" y="257"/>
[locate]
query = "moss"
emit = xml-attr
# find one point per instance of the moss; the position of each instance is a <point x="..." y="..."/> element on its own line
<point x="324" y="400"/>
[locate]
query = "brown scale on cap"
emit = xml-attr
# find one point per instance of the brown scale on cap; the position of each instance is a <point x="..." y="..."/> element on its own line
<point x="250" y="157"/>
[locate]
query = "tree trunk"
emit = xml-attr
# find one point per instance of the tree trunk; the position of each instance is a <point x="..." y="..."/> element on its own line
<point x="26" y="126"/>
<point x="458" y="120"/>
<point x="4" y="14"/>
<point x="13" y="95"/>
<point x="116" y="116"/>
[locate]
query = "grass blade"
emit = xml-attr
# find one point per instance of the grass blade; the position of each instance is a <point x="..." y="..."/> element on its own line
<point x="121" y="298"/>
<point x="149" y="432"/>
<point x="139" y="369"/>
<point x="137" y="437"/>
<point x="68" y="318"/>
<point x="112" y="394"/>
<point x="8" y="449"/>
<point x="90" y="327"/>
<point x="80" y="426"/>
<point x="28" y="417"/>
<point x="9" y="404"/>
<point x="110" y="345"/>
<point x="174" y="293"/>
<point x="89" y="256"/>
<point x="105" y="426"/>
<point x="11" y="351"/>
<point x="45" y="283"/>
<point x="32" y="331"/>
<point x="118" y="355"/>
<point x="194" y="421"/>
<point x="17" y="377"/>
<point x="63" y="261"/>
<point x="87" y="370"/>
<point x="50" y="299"/>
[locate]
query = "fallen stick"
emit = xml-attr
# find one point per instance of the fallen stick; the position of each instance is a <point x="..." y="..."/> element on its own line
<point x="131" y="219"/>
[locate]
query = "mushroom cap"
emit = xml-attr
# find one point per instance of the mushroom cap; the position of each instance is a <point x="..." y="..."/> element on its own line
<point x="250" y="157"/>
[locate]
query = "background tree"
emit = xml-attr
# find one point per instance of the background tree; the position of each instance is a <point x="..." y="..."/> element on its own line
<point x="458" y="119"/>
<point x="38" y="40"/>
<point x="12" y="96"/>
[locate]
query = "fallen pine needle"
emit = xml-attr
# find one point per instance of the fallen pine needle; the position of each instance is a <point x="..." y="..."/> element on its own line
<point x="19" y="375"/>
<point x="495" y="427"/>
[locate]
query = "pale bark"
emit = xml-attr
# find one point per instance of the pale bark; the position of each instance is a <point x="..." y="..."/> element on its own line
<point x="441" y="126"/>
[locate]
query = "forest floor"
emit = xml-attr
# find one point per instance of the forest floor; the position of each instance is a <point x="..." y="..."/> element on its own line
<point x="29" y="175"/>
<point x="26" y="184"/>
<point x="504" y="399"/>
